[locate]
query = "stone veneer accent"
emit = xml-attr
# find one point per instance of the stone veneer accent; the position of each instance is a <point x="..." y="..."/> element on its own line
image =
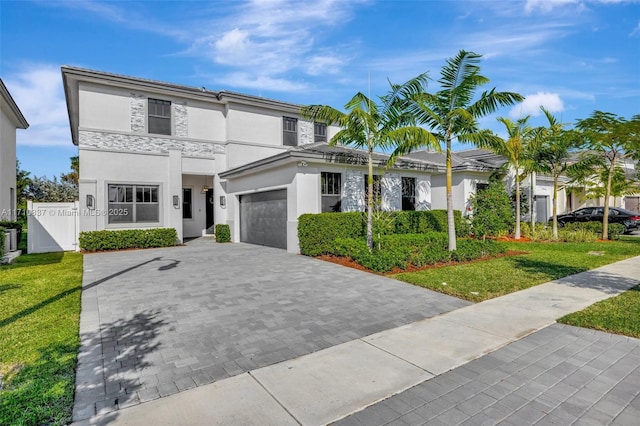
<point x="391" y="192"/>
<point x="353" y="192"/>
<point x="180" y="120"/>
<point x="423" y="193"/>
<point x="138" y="113"/>
<point x="305" y="132"/>
<point x="147" y="144"/>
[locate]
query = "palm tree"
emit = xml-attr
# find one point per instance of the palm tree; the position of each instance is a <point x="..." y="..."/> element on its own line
<point x="371" y="126"/>
<point x="554" y="156"/>
<point x="451" y="114"/>
<point x="515" y="149"/>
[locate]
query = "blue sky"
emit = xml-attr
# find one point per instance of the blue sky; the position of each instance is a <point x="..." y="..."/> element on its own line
<point x="571" y="56"/>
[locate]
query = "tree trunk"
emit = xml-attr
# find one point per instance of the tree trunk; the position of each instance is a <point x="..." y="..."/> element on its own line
<point x="517" y="233"/>
<point x="451" y="225"/>
<point x="607" y="194"/>
<point x="370" y="201"/>
<point x="532" y="201"/>
<point x="555" y="207"/>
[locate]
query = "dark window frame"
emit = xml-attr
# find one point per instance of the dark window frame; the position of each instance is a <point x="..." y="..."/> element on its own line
<point x="159" y="116"/>
<point x="331" y="191"/>
<point x="132" y="198"/>
<point x="319" y="132"/>
<point x="408" y="193"/>
<point x="377" y="188"/>
<point x="289" y="131"/>
<point x="187" y="203"/>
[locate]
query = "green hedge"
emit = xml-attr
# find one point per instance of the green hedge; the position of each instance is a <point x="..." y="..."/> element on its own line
<point x="400" y="251"/>
<point x="317" y="233"/>
<point x="13" y="225"/>
<point x="2" y="237"/>
<point x="615" y="229"/>
<point x="223" y="233"/>
<point x="128" y="238"/>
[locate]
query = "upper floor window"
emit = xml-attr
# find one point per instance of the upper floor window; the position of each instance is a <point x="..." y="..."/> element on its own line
<point x="159" y="117"/>
<point x="289" y="131"/>
<point x="408" y="193"/>
<point x="319" y="132"/>
<point x="331" y="188"/>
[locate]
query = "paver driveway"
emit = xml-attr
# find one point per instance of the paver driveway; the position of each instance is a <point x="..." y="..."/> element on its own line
<point x="156" y="322"/>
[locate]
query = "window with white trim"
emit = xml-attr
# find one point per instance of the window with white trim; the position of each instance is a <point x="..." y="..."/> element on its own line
<point x="289" y="131"/>
<point x="331" y="189"/>
<point x="187" y="203"/>
<point x="133" y="204"/>
<point x="159" y="113"/>
<point x="319" y="132"/>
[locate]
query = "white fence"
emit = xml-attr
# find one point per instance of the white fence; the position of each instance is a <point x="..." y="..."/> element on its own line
<point x="52" y="227"/>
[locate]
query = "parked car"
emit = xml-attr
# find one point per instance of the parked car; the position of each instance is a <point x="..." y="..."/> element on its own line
<point x="630" y="220"/>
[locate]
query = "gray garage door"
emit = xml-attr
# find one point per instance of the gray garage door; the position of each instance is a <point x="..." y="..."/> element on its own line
<point x="263" y="218"/>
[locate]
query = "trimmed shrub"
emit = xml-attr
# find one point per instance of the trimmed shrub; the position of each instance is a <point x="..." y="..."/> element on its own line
<point x="127" y="238"/>
<point x="317" y="233"/>
<point x="2" y="237"/>
<point x="13" y="225"/>
<point x="492" y="215"/>
<point x="400" y="251"/>
<point x="223" y="233"/>
<point x="615" y="229"/>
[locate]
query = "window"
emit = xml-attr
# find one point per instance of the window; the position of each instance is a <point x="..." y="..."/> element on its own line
<point x="159" y="117"/>
<point x="408" y="193"/>
<point x="319" y="132"/>
<point x="289" y="131"/>
<point x="187" y="211"/>
<point x="481" y="186"/>
<point x="133" y="204"/>
<point x="377" y="191"/>
<point x="331" y="185"/>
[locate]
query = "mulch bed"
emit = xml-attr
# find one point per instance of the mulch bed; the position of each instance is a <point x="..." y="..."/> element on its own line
<point x="350" y="263"/>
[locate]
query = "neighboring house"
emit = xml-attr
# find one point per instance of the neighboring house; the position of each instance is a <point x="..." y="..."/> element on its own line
<point x="11" y="118"/>
<point x="155" y="154"/>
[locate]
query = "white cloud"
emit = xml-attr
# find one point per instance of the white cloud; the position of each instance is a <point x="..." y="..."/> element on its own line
<point x="635" y="31"/>
<point x="532" y="103"/>
<point x="37" y="90"/>
<point x="547" y="6"/>
<point x="262" y="82"/>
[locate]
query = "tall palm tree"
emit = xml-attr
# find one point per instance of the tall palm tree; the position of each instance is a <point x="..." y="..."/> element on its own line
<point x="515" y="149"/>
<point x="372" y="126"/>
<point x="452" y="114"/>
<point x="554" y="156"/>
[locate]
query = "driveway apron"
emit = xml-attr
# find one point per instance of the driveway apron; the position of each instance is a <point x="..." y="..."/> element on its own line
<point x="160" y="321"/>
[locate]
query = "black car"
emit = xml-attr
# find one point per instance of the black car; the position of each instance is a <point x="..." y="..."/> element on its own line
<point x="630" y="220"/>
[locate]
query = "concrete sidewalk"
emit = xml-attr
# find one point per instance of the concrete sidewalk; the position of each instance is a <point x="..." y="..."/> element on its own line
<point x="330" y="384"/>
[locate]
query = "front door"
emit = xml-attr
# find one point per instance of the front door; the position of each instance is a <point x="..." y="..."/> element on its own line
<point x="209" y="209"/>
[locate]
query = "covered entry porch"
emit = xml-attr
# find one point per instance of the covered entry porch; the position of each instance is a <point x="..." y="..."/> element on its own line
<point x="197" y="205"/>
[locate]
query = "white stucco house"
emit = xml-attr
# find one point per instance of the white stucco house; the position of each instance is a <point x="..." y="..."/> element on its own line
<point x="156" y="154"/>
<point x="11" y="118"/>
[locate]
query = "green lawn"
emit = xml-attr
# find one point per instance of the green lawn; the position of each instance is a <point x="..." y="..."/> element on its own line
<point x="39" y="324"/>
<point x="543" y="262"/>
<point x="616" y="315"/>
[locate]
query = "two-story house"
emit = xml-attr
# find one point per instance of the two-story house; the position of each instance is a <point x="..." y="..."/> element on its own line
<point x="156" y="154"/>
<point x="11" y="118"/>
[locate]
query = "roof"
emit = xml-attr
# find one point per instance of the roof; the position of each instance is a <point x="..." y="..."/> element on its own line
<point x="458" y="162"/>
<point x="72" y="75"/>
<point x="325" y="153"/>
<point x="12" y="108"/>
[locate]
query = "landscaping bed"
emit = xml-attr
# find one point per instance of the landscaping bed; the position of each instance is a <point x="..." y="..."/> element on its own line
<point x="39" y="325"/>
